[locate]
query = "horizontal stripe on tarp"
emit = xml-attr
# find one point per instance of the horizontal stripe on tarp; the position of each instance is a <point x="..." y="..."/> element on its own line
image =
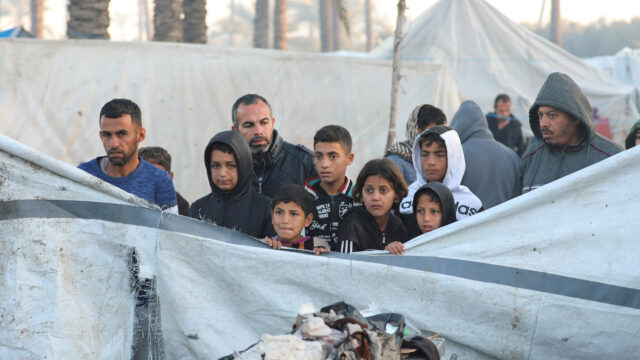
<point x="471" y="270"/>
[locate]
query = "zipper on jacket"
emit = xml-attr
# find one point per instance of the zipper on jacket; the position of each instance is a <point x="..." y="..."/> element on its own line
<point x="260" y="178"/>
<point x="384" y="240"/>
<point x="560" y="165"/>
<point x="225" y="212"/>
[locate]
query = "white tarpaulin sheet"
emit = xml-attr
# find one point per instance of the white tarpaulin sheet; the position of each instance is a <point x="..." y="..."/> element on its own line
<point x="624" y="66"/>
<point x="551" y="274"/>
<point x="487" y="54"/>
<point x="52" y="91"/>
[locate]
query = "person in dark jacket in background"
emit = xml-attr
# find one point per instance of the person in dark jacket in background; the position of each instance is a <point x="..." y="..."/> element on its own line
<point x="565" y="135"/>
<point x="372" y="226"/>
<point x="232" y="202"/>
<point x="491" y="166"/>
<point x="161" y="159"/>
<point x="433" y="208"/>
<point x="422" y="118"/>
<point x="505" y="128"/>
<point x="276" y="162"/>
<point x="633" y="138"/>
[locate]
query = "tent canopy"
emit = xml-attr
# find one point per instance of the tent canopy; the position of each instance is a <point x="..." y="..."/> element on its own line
<point x="487" y="54"/>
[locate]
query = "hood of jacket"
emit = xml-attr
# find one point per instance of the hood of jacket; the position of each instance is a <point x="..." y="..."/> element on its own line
<point x="561" y="92"/>
<point x="470" y="122"/>
<point x="466" y="202"/>
<point x="447" y="203"/>
<point x="242" y="152"/>
<point x="630" y="141"/>
<point x="455" y="157"/>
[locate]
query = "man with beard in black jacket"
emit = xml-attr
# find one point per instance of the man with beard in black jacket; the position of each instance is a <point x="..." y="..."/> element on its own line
<point x="232" y="202"/>
<point x="276" y="162"/>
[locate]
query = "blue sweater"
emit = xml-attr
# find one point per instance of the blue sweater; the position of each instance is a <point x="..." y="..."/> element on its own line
<point x="146" y="181"/>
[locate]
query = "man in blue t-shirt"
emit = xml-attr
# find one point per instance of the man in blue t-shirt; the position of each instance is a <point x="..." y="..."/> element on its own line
<point x="121" y="132"/>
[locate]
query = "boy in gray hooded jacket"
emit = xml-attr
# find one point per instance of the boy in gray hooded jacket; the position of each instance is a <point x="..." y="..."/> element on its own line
<point x="565" y="136"/>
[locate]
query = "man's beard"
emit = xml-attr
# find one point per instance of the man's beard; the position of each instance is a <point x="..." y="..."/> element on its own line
<point x="259" y="149"/>
<point x="119" y="161"/>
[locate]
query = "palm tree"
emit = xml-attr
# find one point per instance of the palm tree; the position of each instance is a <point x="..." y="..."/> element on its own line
<point x="280" y="25"/>
<point x="261" y="25"/>
<point x="368" y="21"/>
<point x="88" y="19"/>
<point x="194" y="26"/>
<point x="36" y="18"/>
<point x="326" y="25"/>
<point x="166" y="20"/>
<point x="237" y="29"/>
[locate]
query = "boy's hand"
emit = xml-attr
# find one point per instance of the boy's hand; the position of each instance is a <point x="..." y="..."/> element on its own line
<point x="319" y="250"/>
<point x="273" y="243"/>
<point x="396" y="248"/>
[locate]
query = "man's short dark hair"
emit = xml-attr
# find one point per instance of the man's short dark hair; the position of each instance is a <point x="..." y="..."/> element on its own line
<point x="156" y="155"/>
<point x="296" y="194"/>
<point x="430" y="138"/>
<point x="501" y="97"/>
<point x="248" y="99"/>
<point x="429" y="114"/>
<point x="116" y="108"/>
<point x="334" y="133"/>
<point x="384" y="168"/>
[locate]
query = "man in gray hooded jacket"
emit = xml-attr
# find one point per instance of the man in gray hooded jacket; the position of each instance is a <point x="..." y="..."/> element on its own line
<point x="565" y="136"/>
<point x="491" y="166"/>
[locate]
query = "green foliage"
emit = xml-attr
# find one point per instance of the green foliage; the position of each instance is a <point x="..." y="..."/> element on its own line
<point x="598" y="38"/>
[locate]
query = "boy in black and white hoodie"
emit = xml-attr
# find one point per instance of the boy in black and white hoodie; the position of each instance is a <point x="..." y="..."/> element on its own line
<point x="331" y="190"/>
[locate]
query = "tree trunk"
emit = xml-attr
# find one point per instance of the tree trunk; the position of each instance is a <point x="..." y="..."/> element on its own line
<point x="280" y="25"/>
<point x="326" y="27"/>
<point x="261" y="25"/>
<point x="88" y="19"/>
<point x="555" y="26"/>
<point x="395" y="77"/>
<point x="166" y="20"/>
<point x="195" y="21"/>
<point x="36" y="18"/>
<point x="368" y="20"/>
<point x="232" y="21"/>
<point x="335" y="26"/>
<point x="144" y="27"/>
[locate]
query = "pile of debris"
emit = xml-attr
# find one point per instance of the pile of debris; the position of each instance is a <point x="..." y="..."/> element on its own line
<point x="341" y="332"/>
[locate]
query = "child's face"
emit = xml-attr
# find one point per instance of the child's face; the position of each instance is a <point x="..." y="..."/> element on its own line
<point x="378" y="196"/>
<point x="433" y="158"/>
<point x="288" y="220"/>
<point x="331" y="161"/>
<point x="428" y="214"/>
<point x="224" y="170"/>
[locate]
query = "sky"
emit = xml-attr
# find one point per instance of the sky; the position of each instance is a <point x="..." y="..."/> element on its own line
<point x="124" y="13"/>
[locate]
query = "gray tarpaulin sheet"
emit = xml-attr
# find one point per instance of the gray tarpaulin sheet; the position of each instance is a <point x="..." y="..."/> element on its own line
<point x="551" y="274"/>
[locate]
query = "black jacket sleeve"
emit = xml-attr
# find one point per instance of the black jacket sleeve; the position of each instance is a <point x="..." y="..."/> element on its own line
<point x="350" y="234"/>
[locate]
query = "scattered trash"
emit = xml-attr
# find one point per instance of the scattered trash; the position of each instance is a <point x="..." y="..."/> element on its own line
<point x="341" y="332"/>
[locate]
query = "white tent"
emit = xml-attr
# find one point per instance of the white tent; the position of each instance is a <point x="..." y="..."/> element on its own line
<point x="550" y="274"/>
<point x="487" y="53"/>
<point x="624" y="66"/>
<point x="52" y="91"/>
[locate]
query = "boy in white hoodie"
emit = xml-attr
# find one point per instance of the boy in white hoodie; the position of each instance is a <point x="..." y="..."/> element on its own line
<point x="438" y="157"/>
